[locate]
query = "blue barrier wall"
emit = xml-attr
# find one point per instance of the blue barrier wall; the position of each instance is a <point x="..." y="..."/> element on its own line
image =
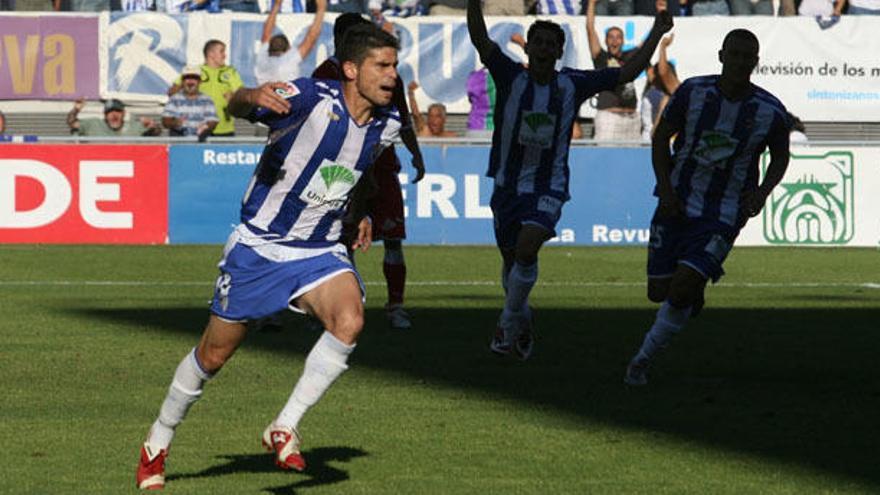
<point x="610" y="188"/>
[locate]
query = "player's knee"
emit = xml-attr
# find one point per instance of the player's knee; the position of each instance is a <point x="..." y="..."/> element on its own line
<point x="212" y="358"/>
<point x="347" y="326"/>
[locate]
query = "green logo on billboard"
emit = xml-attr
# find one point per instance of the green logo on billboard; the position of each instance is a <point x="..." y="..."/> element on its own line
<point x="814" y="202"/>
<point x="336" y="173"/>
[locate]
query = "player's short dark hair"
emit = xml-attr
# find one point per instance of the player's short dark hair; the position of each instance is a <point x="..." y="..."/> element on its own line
<point x="278" y="44"/>
<point x="359" y="40"/>
<point x="211" y="44"/>
<point x="342" y="24"/>
<point x="552" y="27"/>
<point x="741" y="35"/>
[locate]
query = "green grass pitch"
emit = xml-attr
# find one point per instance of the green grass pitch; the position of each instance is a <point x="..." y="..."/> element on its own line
<point x="773" y="389"/>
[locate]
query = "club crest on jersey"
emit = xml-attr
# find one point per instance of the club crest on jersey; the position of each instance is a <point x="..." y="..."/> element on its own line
<point x="329" y="187"/>
<point x="287" y="91"/>
<point x="715" y="148"/>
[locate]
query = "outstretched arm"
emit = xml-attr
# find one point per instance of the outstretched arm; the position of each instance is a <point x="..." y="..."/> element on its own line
<point x="269" y="25"/>
<point x="664" y="71"/>
<point x="314" y="30"/>
<point x="637" y="63"/>
<point x="592" y="37"/>
<point x="477" y="29"/>
<point x="418" y="120"/>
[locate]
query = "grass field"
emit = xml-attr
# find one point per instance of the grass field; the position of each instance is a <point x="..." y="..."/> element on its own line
<point x="773" y="389"/>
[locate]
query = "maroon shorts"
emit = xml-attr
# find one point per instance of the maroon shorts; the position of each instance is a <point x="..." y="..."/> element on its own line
<point x="386" y="208"/>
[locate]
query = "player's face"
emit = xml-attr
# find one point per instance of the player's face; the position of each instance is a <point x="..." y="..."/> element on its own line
<point x="739" y="57"/>
<point x="614" y="41"/>
<point x="543" y="50"/>
<point x="377" y="76"/>
<point x="115" y="119"/>
<point x="436" y="120"/>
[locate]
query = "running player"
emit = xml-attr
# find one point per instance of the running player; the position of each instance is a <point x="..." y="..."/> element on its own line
<point x="324" y="135"/>
<point x="535" y="110"/>
<point x="385" y="206"/>
<point x="708" y="188"/>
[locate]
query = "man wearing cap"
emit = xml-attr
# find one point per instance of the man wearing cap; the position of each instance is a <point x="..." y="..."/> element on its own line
<point x="218" y="81"/>
<point x="189" y="112"/>
<point x="113" y="123"/>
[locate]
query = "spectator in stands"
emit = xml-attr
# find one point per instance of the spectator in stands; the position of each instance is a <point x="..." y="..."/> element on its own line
<point x="481" y="95"/>
<point x="798" y="132"/>
<point x="864" y="7"/>
<point x="662" y="81"/>
<point x="651" y="7"/>
<point x="447" y="7"/>
<point x="82" y="5"/>
<point x="133" y="5"/>
<point x="219" y="82"/>
<point x="616" y="117"/>
<point x="506" y="7"/>
<point x="435" y="126"/>
<point x="818" y="8"/>
<point x="2" y="123"/>
<point x="276" y="61"/>
<point x="113" y="123"/>
<point x="182" y="6"/>
<point x="751" y="7"/>
<point x="709" y="7"/>
<point x="380" y="9"/>
<point x="189" y="112"/>
<point x="7" y="5"/>
<point x="240" y="6"/>
<point x="559" y="7"/>
<point x="613" y="7"/>
<point x="346" y="6"/>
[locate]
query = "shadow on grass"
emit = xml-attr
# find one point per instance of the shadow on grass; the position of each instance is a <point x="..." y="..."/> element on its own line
<point x="793" y="385"/>
<point x="318" y="472"/>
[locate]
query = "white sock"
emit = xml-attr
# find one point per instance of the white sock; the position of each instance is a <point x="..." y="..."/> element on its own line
<point x="670" y="320"/>
<point x="324" y="364"/>
<point x="186" y="388"/>
<point x="520" y="281"/>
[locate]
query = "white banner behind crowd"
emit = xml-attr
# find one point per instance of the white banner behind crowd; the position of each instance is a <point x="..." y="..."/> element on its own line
<point x="822" y="71"/>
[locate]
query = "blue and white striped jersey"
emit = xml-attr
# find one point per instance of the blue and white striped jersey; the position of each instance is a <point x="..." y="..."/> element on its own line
<point x="719" y="145"/>
<point x="533" y="124"/>
<point x="315" y="156"/>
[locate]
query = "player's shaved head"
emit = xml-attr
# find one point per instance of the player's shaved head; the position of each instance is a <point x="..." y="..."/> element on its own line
<point x="742" y="37"/>
<point x="359" y="40"/>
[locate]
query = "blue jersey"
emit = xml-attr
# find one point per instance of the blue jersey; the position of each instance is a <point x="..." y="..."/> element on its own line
<point x="719" y="145"/>
<point x="533" y="124"/>
<point x="314" y="157"/>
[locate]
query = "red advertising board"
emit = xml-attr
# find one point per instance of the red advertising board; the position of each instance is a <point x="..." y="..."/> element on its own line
<point x="78" y="194"/>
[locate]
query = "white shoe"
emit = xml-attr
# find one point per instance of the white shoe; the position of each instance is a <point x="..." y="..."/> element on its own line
<point x="398" y="317"/>
<point x="284" y="442"/>
<point x="637" y="373"/>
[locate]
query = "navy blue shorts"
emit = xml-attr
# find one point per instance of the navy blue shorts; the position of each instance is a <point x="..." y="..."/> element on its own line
<point x="259" y="281"/>
<point x="511" y="211"/>
<point x="699" y="243"/>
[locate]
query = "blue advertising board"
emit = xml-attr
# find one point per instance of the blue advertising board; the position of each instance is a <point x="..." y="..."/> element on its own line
<point x="610" y="188"/>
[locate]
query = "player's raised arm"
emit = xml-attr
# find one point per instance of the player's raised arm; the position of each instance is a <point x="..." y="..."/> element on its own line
<point x="245" y="100"/>
<point x="642" y="57"/>
<point x="477" y="29"/>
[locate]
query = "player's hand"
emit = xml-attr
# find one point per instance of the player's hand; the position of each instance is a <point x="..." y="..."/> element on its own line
<point x="662" y="22"/>
<point x="752" y="202"/>
<point x="418" y="164"/>
<point x="667" y="40"/>
<point x="364" y="235"/>
<point x="265" y="96"/>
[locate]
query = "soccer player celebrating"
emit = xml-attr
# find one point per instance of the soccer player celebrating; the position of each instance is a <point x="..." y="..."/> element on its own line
<point x="385" y="205"/>
<point x="285" y="253"/>
<point x="534" y="113"/>
<point x="708" y="188"/>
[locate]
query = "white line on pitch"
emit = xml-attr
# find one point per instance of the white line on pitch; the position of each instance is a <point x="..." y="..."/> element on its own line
<point x="432" y="283"/>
